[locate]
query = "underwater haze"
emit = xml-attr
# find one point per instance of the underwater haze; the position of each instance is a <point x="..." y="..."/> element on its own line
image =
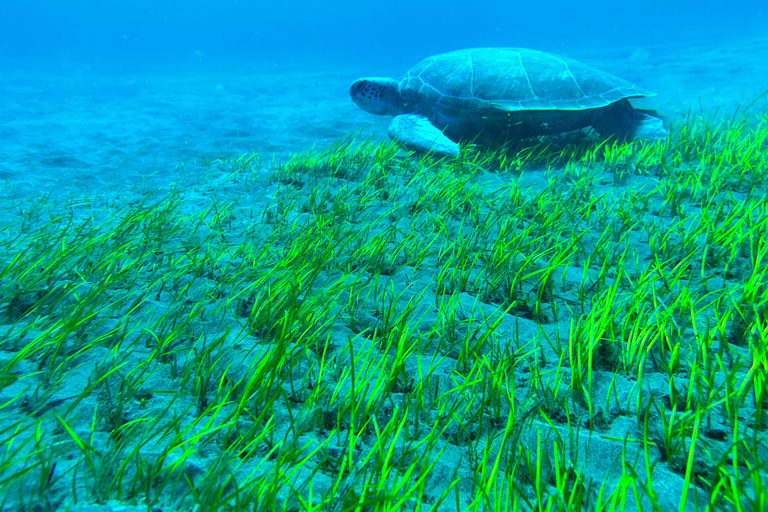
<point x="449" y="256"/>
<point x="120" y="32"/>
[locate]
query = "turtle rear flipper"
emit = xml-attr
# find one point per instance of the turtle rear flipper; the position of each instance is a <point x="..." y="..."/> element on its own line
<point x="417" y="133"/>
<point x="624" y="122"/>
<point x="648" y="125"/>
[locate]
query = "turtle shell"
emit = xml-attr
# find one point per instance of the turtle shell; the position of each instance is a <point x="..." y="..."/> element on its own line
<point x="511" y="80"/>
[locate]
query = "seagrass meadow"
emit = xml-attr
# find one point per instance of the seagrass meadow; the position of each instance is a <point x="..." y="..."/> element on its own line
<point x="556" y="326"/>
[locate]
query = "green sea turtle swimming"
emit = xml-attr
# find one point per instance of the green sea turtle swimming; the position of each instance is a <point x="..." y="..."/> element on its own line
<point x="503" y="93"/>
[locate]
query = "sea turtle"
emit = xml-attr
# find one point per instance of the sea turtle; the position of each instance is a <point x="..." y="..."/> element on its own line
<point x="503" y="93"/>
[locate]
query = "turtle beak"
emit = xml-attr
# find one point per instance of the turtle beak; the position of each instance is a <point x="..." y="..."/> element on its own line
<point x="357" y="91"/>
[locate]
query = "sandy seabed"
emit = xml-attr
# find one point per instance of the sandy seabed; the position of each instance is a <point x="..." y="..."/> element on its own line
<point x="74" y="134"/>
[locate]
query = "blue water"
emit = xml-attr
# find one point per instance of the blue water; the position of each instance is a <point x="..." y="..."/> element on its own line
<point x="141" y="31"/>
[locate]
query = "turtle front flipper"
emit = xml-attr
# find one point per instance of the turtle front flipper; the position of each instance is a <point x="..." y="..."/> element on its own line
<point x="417" y="133"/>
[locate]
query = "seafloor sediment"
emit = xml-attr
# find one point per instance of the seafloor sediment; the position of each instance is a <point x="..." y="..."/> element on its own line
<point x="202" y="312"/>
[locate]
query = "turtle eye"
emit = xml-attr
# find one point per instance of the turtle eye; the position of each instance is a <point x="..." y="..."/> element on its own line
<point x="358" y="89"/>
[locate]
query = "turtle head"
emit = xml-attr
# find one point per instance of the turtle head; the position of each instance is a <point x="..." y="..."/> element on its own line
<point x="376" y="95"/>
